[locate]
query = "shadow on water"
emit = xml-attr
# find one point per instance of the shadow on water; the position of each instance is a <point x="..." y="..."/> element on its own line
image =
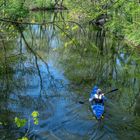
<point x="50" y="68"/>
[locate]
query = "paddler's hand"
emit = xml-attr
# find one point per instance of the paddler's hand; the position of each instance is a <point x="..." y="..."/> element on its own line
<point x="90" y="99"/>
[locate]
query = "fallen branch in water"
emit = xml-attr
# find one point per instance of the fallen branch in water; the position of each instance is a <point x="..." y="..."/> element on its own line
<point x="43" y="23"/>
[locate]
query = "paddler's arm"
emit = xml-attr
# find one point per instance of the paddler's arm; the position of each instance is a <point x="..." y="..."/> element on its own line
<point x="104" y="97"/>
<point x="91" y="99"/>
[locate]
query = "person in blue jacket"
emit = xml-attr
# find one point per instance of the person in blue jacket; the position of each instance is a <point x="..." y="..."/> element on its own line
<point x="97" y="96"/>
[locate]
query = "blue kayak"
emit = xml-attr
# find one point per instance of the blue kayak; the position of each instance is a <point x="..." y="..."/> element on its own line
<point x="98" y="110"/>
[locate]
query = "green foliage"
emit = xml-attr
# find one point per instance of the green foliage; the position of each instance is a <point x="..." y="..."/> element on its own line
<point x="124" y="20"/>
<point x="42" y="3"/>
<point x="35" y="121"/>
<point x="23" y="138"/>
<point x="14" y="10"/>
<point x="35" y="115"/>
<point x="123" y="17"/>
<point x="20" y="122"/>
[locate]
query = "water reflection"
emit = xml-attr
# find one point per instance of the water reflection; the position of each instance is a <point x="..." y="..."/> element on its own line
<point x="49" y="68"/>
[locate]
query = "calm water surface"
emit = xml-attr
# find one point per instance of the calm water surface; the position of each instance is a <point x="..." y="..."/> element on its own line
<point x="50" y="67"/>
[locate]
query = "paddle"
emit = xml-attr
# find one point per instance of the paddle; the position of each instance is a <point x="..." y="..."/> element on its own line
<point x="112" y="90"/>
<point x="82" y="102"/>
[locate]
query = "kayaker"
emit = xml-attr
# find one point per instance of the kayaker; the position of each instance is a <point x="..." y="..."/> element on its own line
<point x="98" y="97"/>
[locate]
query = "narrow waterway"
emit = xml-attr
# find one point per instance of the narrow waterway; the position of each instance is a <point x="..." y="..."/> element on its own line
<point x="51" y="67"/>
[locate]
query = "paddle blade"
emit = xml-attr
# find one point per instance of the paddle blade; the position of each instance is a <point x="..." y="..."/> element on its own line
<point x="81" y="102"/>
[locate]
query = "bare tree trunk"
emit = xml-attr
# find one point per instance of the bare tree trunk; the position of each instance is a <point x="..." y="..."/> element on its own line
<point x="56" y="3"/>
<point x="62" y="3"/>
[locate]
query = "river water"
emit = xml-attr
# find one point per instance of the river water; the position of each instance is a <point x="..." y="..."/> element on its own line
<point x="51" y="67"/>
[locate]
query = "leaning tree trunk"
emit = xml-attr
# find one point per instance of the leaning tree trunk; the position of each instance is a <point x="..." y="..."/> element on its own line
<point x="62" y="3"/>
<point x="56" y="3"/>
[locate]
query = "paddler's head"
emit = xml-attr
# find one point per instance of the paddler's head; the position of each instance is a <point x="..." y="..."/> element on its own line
<point x="99" y="91"/>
